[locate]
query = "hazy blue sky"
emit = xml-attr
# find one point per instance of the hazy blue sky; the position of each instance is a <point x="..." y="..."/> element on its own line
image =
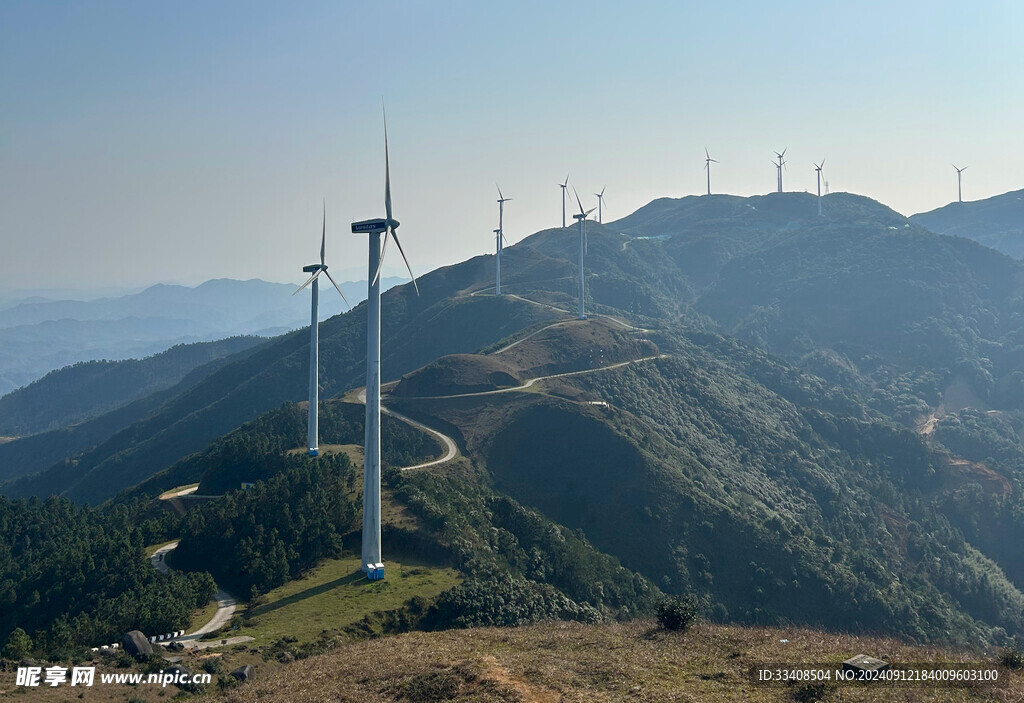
<point x="179" y="141"/>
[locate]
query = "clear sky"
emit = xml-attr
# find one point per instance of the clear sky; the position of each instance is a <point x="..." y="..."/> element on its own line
<point x="181" y="141"/>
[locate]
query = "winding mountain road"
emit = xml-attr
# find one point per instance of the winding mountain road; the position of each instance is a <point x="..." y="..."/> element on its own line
<point x="226" y="603"/>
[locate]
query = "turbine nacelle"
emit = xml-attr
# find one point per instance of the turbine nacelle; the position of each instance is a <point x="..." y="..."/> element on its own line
<point x="375" y="226"/>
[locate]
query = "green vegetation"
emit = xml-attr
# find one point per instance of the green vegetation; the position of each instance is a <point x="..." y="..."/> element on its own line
<point x="262" y="537"/>
<point x="335" y="596"/>
<point x="90" y="388"/>
<point x="677" y="614"/>
<point x="76" y="577"/>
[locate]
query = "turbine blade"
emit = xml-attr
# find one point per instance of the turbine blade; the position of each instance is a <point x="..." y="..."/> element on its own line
<point x="407" y="267"/>
<point x="566" y="181"/>
<point x="590" y="211"/>
<point x="383" y="251"/>
<point x="503" y="239"/>
<point x="500" y="196"/>
<point x="706" y="153"/>
<point x="323" y="237"/>
<point x="602" y="191"/>
<point x="387" y="167"/>
<point x="308" y="281"/>
<point x="348" y="304"/>
<point x="577" y="199"/>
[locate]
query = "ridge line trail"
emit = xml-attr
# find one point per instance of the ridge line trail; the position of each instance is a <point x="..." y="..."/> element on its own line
<point x="452" y="447"/>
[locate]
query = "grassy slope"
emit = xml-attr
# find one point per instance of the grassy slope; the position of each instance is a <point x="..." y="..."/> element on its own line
<point x="571" y="662"/>
<point x="336" y="594"/>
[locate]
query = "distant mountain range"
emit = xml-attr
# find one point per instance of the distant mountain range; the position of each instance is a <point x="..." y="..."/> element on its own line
<point x="996" y="222"/>
<point x="38" y="336"/>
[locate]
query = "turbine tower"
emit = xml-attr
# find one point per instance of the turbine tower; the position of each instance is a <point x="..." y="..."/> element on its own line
<point x="501" y="235"/>
<point x="780" y="165"/>
<point x="580" y="219"/>
<point x="373" y="565"/>
<point x="600" y="202"/>
<point x="563" y="186"/>
<point x="707" y="167"/>
<point x="818" y="167"/>
<point x="959" y="188"/>
<point x="498" y="237"/>
<point x="314" y="338"/>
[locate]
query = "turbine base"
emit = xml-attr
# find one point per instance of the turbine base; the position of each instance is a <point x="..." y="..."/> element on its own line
<point x="374" y="572"/>
<point x="314" y="452"/>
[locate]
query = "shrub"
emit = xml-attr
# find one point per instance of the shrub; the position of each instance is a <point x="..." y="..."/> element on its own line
<point x="677" y="613"/>
<point x="1011" y="656"/>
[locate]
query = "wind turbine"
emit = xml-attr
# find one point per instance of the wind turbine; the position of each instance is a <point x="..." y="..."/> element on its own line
<point x="600" y="202"/>
<point x="780" y="165"/>
<point x="563" y="186"/>
<point x="959" y="189"/>
<point x="818" y="167"/>
<point x="580" y="219"/>
<point x="314" y="338"/>
<point x="501" y="235"/>
<point x="371" y="557"/>
<point x="707" y="167"/>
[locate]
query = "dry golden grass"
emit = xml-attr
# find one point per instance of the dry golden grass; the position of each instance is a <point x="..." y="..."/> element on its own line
<point x="571" y="662"/>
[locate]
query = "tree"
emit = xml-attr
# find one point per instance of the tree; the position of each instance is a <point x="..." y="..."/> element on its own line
<point x="19" y="644"/>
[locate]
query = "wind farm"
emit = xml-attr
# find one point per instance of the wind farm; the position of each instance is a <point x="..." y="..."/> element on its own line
<point x="754" y="420"/>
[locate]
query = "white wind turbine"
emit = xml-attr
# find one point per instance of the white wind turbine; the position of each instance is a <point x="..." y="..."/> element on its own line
<point x="818" y="167"/>
<point x="707" y="167"/>
<point x="580" y="220"/>
<point x="600" y="202"/>
<point x="959" y="188"/>
<point x="501" y="235"/>
<point x="372" y="563"/>
<point x="780" y="165"/>
<point x="563" y="186"/>
<point x="312" y="439"/>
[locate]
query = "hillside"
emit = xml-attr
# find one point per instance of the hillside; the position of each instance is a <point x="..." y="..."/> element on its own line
<point x="419" y="329"/>
<point x="612" y="662"/>
<point x="35" y="453"/>
<point x="731" y="474"/>
<point x="92" y="388"/>
<point x="996" y="222"/>
<point x="766" y="269"/>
